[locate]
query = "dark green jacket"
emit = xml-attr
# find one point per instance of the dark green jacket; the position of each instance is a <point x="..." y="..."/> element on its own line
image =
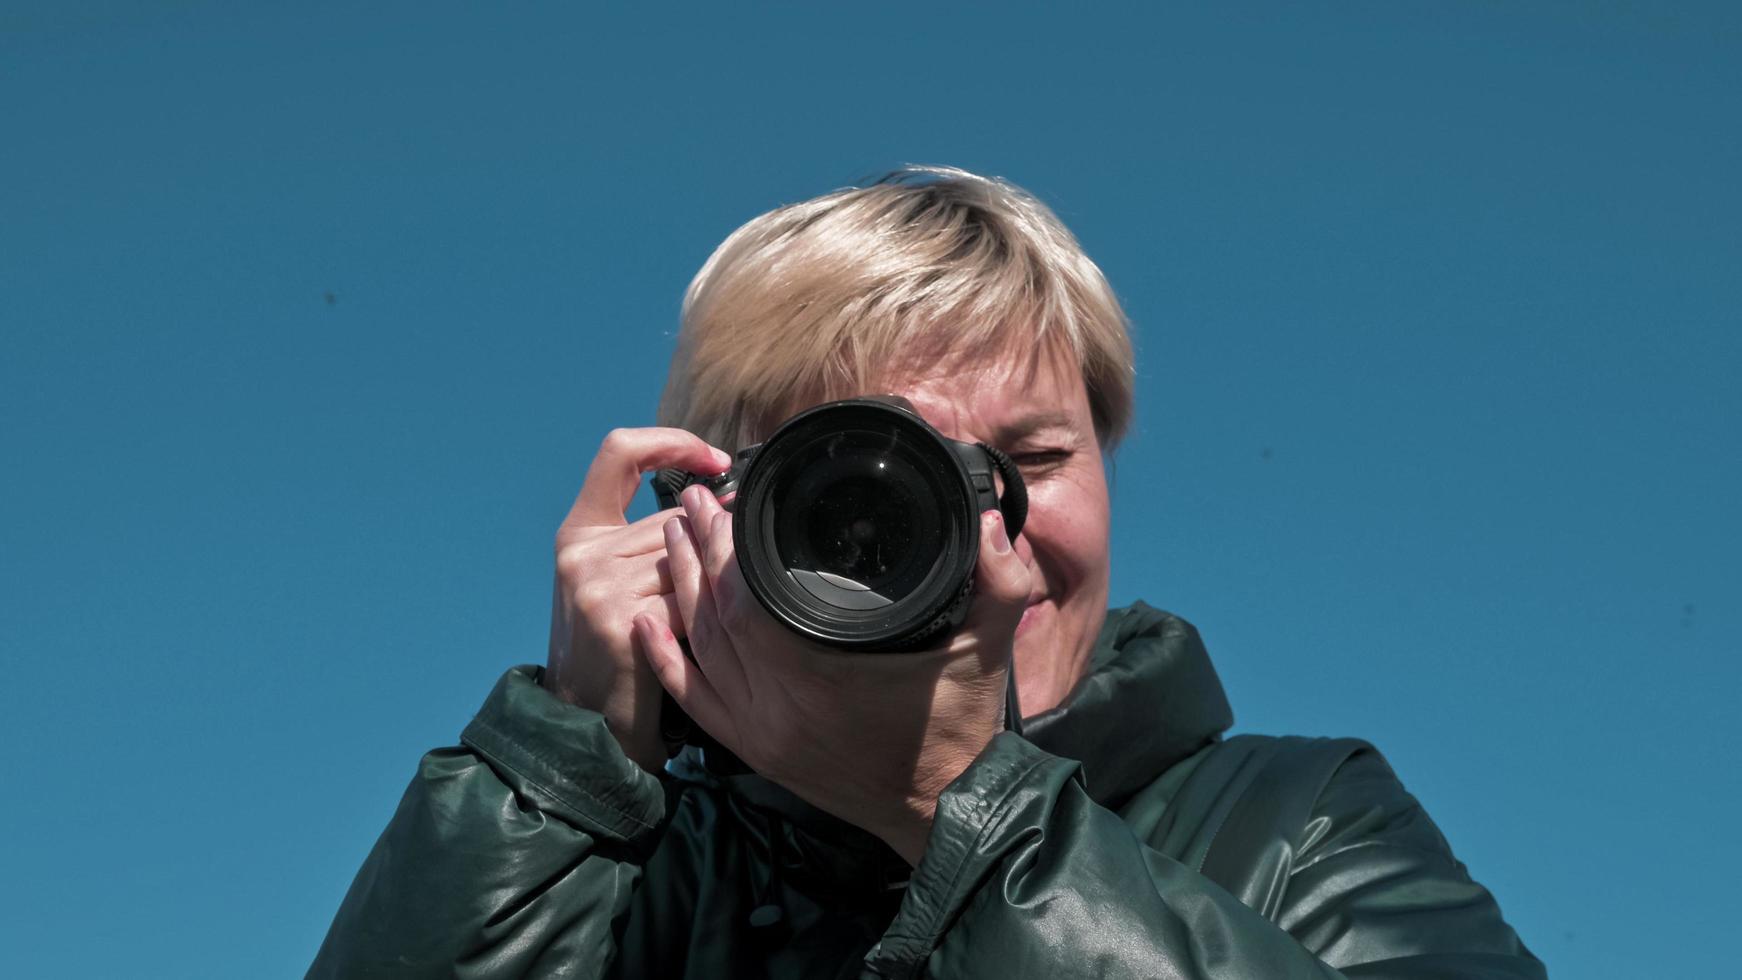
<point x="1119" y="836"/>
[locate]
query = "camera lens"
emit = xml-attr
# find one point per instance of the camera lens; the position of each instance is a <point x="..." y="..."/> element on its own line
<point x="858" y="520"/>
<point x="857" y="525"/>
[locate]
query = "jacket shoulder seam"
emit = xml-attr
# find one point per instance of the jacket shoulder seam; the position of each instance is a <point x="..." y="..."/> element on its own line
<point x="1428" y="852"/>
<point x="1210" y="845"/>
<point x="541" y="785"/>
<point x="1268" y="750"/>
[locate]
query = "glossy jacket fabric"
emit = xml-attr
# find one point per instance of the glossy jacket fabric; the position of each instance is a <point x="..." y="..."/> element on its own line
<point x="1119" y="836"/>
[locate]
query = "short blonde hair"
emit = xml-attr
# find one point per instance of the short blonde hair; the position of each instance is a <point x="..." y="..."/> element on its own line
<point x="817" y="300"/>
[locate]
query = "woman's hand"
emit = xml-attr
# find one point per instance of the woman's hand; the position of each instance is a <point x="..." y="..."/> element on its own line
<point x="610" y="573"/>
<point x="872" y="738"/>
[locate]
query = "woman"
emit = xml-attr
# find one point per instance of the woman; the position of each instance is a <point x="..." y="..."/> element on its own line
<point x="891" y="826"/>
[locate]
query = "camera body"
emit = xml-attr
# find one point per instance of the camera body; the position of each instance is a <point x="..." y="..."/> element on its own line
<point x="856" y="524"/>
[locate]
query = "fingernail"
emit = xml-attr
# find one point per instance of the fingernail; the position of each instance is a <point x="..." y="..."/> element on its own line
<point x="995" y="524"/>
<point x="723" y="459"/>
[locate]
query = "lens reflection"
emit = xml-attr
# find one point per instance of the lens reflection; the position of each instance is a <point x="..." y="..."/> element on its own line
<point x="863" y="517"/>
<point x="861" y="529"/>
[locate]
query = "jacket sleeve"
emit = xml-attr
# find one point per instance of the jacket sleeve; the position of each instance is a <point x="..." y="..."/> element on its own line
<point x="1025" y="874"/>
<point x="514" y="854"/>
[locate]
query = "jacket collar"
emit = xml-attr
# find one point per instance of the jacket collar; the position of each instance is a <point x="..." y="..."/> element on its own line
<point x="1150" y="699"/>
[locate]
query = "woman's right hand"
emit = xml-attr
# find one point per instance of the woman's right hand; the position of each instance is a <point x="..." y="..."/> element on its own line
<point x="609" y="571"/>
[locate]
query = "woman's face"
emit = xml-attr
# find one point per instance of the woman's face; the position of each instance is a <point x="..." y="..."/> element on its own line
<point x="1039" y="414"/>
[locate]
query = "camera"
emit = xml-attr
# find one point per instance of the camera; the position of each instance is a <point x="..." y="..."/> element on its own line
<point x="857" y="524"/>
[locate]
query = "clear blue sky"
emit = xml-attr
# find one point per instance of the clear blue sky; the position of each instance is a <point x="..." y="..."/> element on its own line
<point x="313" y="316"/>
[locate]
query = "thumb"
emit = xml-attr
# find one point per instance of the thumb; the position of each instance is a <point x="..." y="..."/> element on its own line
<point x="1001" y="581"/>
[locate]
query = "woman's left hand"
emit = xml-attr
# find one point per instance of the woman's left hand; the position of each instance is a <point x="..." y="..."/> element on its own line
<point x="871" y="738"/>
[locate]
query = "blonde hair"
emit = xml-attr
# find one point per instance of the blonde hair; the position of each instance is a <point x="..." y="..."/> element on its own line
<point x="820" y="299"/>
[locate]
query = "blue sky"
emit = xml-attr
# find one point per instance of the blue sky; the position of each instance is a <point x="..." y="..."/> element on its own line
<point x="313" y="317"/>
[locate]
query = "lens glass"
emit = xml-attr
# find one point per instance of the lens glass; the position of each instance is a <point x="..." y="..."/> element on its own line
<point x="860" y="510"/>
<point x="859" y="530"/>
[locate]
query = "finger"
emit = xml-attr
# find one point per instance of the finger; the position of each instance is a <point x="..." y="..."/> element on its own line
<point x="733" y="604"/>
<point x="616" y="470"/>
<point x="711" y="526"/>
<point x="713" y="647"/>
<point x="663" y="609"/>
<point x="687" y="584"/>
<point x="1001" y="580"/>
<point x="701" y="508"/>
<point x="737" y="611"/>
<point x="680" y="676"/>
<point x="664" y="613"/>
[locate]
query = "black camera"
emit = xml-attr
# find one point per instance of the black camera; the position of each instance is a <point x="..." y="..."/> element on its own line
<point x="857" y="524"/>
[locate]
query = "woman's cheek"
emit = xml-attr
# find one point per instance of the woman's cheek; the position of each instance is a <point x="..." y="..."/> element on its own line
<point x="1074" y="510"/>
